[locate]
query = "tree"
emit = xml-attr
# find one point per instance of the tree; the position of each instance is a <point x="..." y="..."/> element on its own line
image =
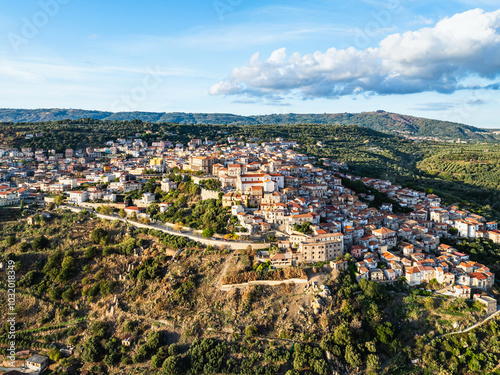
<point x="108" y="250"/>
<point x="172" y="366"/>
<point x="68" y="262"/>
<point x="352" y="356"/>
<point x="99" y="234"/>
<point x="105" y="210"/>
<point x="100" y="328"/>
<point x="68" y="294"/>
<point x="130" y="326"/>
<point x="384" y="332"/>
<point x="154" y="340"/>
<point x="372" y="289"/>
<point x="430" y="303"/>
<point x="156" y="361"/>
<point x="111" y="359"/>
<point x="55" y="354"/>
<point x="271" y="238"/>
<point x="122" y="213"/>
<point x="304" y="228"/>
<point x="173" y="350"/>
<point x="207" y="233"/>
<point x="342" y="336"/>
<point x="59" y="200"/>
<point x="92" y="350"/>
<point x="40" y="243"/>
<point x="144" y="220"/>
<point x="370" y="346"/>
<point x="372" y="362"/>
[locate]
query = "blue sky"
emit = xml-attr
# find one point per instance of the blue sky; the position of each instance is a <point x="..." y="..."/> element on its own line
<point x="424" y="58"/>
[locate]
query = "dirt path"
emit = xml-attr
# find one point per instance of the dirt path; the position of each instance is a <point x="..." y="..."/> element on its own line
<point x="230" y="257"/>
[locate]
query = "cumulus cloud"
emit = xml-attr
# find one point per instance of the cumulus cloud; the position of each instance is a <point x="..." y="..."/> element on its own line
<point x="438" y="58"/>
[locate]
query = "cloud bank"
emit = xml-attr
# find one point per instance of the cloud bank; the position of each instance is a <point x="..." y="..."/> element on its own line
<point x="460" y="52"/>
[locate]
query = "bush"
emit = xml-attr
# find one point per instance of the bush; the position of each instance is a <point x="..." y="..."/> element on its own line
<point x="24" y="247"/>
<point x="98" y="235"/>
<point x="40" y="243"/>
<point x="10" y="240"/>
<point x="207" y="233"/>
<point x="108" y="250"/>
<point x="68" y="294"/>
<point x="90" y="252"/>
<point x="250" y="331"/>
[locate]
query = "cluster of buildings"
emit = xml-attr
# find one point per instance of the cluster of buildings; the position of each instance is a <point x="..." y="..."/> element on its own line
<point x="270" y="188"/>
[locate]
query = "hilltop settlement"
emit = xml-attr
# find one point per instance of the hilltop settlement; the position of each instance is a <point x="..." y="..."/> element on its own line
<point x="313" y="208"/>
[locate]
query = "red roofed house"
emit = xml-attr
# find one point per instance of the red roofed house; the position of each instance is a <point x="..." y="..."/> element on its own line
<point x="481" y="280"/>
<point x="386" y="236"/>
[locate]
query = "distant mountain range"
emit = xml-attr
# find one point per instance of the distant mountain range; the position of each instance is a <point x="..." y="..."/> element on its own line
<point x="379" y="120"/>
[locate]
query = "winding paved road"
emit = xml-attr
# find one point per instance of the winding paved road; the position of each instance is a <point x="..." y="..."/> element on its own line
<point x="234" y="245"/>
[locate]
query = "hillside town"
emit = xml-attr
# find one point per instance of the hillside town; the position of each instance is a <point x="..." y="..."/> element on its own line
<point x="270" y="188"/>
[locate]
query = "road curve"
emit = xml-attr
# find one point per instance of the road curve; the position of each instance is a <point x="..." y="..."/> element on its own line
<point x="233" y="245"/>
<point x="467" y="329"/>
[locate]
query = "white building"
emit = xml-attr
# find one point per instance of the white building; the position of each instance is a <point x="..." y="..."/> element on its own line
<point x="78" y="197"/>
<point x="167" y="185"/>
<point x="466" y="228"/>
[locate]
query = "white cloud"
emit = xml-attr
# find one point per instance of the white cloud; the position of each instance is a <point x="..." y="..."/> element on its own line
<point x="440" y="58"/>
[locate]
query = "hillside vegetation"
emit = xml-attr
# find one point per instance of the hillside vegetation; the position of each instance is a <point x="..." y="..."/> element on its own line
<point x="80" y="283"/>
<point x="379" y="120"/>
<point x="473" y="166"/>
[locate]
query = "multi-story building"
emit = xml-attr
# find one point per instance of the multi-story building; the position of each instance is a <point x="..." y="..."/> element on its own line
<point x="167" y="185"/>
<point x="203" y="163"/>
<point x="264" y="180"/>
<point x="322" y="248"/>
<point x="386" y="236"/>
<point x="78" y="197"/>
<point x="466" y="228"/>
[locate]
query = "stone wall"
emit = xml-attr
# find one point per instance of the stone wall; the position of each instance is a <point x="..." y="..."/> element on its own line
<point x="228" y="287"/>
<point x="209" y="194"/>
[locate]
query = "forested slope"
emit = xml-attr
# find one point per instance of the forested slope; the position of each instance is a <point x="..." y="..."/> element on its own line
<point x="379" y="120"/>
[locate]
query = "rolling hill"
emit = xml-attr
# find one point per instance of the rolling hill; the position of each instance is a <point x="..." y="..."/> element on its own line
<point x="379" y="120"/>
